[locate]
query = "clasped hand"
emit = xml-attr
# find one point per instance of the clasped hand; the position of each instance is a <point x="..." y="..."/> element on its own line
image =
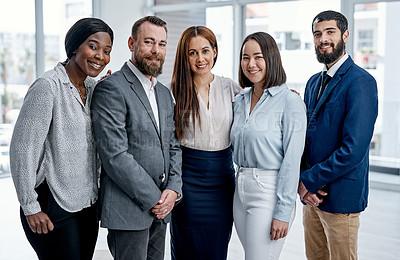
<point x="310" y="198"/>
<point x="165" y="204"/>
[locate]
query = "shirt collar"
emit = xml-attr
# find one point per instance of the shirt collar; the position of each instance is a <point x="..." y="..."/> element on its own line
<point x="60" y="69"/>
<point x="146" y="82"/>
<point x="332" y="71"/>
<point x="275" y="89"/>
<point x="271" y="90"/>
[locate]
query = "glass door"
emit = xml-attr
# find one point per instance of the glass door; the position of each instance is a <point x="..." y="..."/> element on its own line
<point x="375" y="36"/>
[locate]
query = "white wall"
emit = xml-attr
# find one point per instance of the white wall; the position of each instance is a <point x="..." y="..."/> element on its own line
<point x="120" y="16"/>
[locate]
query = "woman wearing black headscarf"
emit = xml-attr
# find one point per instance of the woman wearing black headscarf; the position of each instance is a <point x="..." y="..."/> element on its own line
<point x="54" y="163"/>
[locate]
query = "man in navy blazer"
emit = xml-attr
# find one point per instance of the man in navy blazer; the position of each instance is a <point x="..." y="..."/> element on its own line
<point x="341" y="116"/>
<point x="134" y="129"/>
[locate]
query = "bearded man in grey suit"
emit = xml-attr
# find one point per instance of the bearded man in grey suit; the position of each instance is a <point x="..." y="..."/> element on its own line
<point x="135" y="136"/>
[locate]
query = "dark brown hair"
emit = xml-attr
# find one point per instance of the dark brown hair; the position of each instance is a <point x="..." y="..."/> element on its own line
<point x="341" y="20"/>
<point x="182" y="84"/>
<point x="151" y="19"/>
<point x="275" y="75"/>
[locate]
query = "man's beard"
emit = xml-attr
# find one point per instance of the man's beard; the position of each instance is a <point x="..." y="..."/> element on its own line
<point x="328" y="58"/>
<point x="147" y="67"/>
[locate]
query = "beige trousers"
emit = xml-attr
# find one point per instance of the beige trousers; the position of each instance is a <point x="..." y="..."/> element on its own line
<point x="330" y="236"/>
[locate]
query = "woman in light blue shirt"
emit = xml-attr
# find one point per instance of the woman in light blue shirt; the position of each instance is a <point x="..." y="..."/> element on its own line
<point x="268" y="135"/>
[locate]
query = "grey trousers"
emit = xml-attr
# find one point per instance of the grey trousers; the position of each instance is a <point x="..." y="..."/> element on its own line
<point x="147" y="244"/>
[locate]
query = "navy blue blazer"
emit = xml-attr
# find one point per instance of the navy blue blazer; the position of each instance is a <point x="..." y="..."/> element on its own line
<point x="339" y="131"/>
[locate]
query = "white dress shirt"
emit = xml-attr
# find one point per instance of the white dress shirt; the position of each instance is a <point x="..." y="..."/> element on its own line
<point x="148" y="86"/>
<point x="332" y="71"/>
<point x="212" y="133"/>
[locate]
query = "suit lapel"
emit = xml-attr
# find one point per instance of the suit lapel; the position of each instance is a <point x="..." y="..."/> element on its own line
<point x="137" y="87"/>
<point x="314" y="93"/>
<point x="330" y="87"/>
<point x="332" y="84"/>
<point x="162" y="109"/>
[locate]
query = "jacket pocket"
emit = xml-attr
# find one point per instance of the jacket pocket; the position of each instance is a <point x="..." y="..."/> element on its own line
<point x="333" y="104"/>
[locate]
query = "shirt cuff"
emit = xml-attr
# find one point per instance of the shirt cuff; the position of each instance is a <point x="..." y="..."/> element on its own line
<point x="31" y="208"/>
<point x="283" y="213"/>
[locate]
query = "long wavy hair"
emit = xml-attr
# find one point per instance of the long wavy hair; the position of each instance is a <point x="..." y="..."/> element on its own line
<point x="182" y="84"/>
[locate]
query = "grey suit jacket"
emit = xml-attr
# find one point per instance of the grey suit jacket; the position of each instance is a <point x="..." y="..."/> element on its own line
<point x="134" y="153"/>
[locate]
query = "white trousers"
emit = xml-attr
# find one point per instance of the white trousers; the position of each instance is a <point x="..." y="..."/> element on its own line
<point x="253" y="207"/>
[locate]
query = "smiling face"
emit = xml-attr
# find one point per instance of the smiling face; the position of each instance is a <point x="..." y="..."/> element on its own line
<point x="201" y="55"/>
<point x="149" y="49"/>
<point x="329" y="42"/>
<point x="253" y="63"/>
<point x="93" y="54"/>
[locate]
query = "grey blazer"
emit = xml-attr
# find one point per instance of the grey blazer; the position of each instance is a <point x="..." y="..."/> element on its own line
<point x="136" y="156"/>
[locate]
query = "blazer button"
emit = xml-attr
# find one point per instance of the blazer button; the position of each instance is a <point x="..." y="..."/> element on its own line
<point x="308" y="166"/>
<point x="308" y="141"/>
<point x="162" y="177"/>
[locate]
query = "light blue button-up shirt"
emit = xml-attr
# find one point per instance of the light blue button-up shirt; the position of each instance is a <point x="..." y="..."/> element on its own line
<point x="271" y="138"/>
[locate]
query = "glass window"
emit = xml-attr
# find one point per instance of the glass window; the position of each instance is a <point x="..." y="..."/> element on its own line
<point x="210" y="17"/>
<point x="372" y="36"/>
<point x="163" y="2"/>
<point x="375" y="50"/>
<point x="75" y="9"/>
<point x="17" y="56"/>
<point x="365" y="38"/>
<point x="177" y="22"/>
<point x="18" y="49"/>
<point x="290" y="25"/>
<point x="223" y="29"/>
<point x="292" y="41"/>
<point x="58" y="17"/>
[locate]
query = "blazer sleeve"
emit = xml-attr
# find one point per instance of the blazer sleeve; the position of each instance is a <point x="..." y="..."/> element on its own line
<point x="361" y="110"/>
<point x="109" y="112"/>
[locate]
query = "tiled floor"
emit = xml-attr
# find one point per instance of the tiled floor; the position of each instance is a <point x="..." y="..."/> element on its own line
<point x="379" y="235"/>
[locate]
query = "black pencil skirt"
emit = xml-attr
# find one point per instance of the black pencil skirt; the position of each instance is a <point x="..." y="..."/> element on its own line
<point x="201" y="223"/>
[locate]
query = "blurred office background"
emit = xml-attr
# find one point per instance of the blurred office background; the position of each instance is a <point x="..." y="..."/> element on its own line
<point x="32" y="41"/>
